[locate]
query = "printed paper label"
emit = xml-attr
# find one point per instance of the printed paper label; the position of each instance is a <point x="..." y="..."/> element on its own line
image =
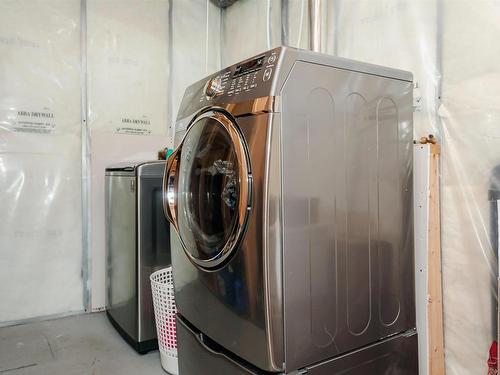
<point x="28" y="121"/>
<point x="134" y="126"/>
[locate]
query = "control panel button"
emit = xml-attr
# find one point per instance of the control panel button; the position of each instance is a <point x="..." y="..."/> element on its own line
<point x="272" y="59"/>
<point x="267" y="74"/>
<point x="213" y="87"/>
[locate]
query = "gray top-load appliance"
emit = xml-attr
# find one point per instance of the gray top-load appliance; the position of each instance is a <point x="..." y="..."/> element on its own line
<point x="290" y="198"/>
<point x="137" y="244"/>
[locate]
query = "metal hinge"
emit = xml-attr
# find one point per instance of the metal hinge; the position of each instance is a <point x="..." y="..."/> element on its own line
<point x="417" y="97"/>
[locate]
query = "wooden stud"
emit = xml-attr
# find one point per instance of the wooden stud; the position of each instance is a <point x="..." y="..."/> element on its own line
<point x="435" y="297"/>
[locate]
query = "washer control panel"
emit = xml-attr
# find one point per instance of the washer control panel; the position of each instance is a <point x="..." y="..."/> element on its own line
<point x="242" y="79"/>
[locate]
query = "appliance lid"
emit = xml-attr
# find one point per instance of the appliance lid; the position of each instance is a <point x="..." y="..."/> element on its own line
<point x="145" y="168"/>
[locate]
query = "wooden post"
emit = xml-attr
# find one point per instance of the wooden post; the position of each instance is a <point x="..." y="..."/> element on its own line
<point x="435" y="296"/>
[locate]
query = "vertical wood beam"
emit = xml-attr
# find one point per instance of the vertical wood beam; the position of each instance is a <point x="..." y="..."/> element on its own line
<point x="435" y="291"/>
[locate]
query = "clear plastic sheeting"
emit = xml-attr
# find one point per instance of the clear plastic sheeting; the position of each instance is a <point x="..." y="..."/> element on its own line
<point x="295" y="27"/>
<point x="127" y="66"/>
<point x="248" y="28"/>
<point x="40" y="159"/>
<point x="398" y="34"/>
<point x="127" y="100"/>
<point x="470" y="117"/>
<point x="46" y="73"/>
<point x="195" y="46"/>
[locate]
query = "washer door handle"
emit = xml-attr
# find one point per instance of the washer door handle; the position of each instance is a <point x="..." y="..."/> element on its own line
<point x="170" y="184"/>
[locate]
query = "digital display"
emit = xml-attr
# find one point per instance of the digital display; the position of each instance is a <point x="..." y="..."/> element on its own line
<point x="249" y="66"/>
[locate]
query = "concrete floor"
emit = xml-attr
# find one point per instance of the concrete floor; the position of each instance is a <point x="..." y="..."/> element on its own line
<point x="77" y="345"/>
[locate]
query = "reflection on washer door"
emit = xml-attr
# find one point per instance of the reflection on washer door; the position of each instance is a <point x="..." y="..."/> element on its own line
<point x="229" y="193"/>
<point x="208" y="189"/>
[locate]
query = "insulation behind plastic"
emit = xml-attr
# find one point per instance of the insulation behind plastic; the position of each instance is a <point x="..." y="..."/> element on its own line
<point x="195" y="46"/>
<point x="40" y="159"/>
<point x="470" y="118"/>
<point x="128" y="96"/>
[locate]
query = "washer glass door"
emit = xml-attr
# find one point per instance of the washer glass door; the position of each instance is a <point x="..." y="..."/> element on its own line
<point x="213" y="191"/>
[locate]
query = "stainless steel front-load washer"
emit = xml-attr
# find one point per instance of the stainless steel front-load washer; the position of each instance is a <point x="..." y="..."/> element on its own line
<point x="290" y="193"/>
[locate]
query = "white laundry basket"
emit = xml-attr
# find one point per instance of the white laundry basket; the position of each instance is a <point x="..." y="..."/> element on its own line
<point x="162" y="288"/>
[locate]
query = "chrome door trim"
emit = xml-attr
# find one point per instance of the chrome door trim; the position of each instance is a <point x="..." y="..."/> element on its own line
<point x="171" y="179"/>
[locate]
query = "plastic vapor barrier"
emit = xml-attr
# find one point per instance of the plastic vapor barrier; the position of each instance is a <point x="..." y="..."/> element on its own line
<point x="127" y="66"/>
<point x="470" y="116"/>
<point x="55" y="55"/>
<point x="248" y="28"/>
<point x="127" y="102"/>
<point x="40" y="159"/>
<point x="195" y="46"/>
